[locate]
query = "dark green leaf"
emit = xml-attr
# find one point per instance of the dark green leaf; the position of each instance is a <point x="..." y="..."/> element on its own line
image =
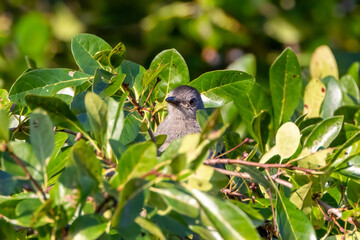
<point x="292" y="222"/>
<point x="324" y="133"/>
<point x="45" y="82"/>
<point x="285" y="86"/>
<point x="131" y="128"/>
<point x="220" y="87"/>
<point x="348" y="112"/>
<point x="115" y="117"/>
<point x="96" y="110"/>
<point x="353" y="192"/>
<point x="117" y="55"/>
<point x="41" y="135"/>
<point x="57" y="110"/>
<point x="84" y="47"/>
<point x="175" y="73"/>
<point x="7" y="185"/>
<point x="134" y="74"/>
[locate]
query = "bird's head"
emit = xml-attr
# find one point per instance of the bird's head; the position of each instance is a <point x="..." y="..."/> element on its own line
<point x="184" y="101"/>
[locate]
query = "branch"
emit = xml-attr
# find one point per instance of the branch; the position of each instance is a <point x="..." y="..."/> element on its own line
<point x="78" y="134"/>
<point x="245" y="140"/>
<point x="22" y="165"/>
<point x="152" y="89"/>
<point x="261" y="165"/>
<point x="247" y="176"/>
<point x="138" y="109"/>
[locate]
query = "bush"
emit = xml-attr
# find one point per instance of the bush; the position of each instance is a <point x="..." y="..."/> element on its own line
<point x="85" y="165"/>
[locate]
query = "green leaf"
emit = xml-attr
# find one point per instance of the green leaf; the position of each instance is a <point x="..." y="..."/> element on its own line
<point x="84" y="47"/>
<point x="350" y="90"/>
<point x="8" y="184"/>
<point x="96" y="110"/>
<point x="260" y="127"/>
<point x="349" y="113"/>
<point x="134" y="75"/>
<point x="41" y="135"/>
<point x="354" y="71"/>
<point x="245" y="63"/>
<point x="323" y="63"/>
<point x="207" y="179"/>
<point x="292" y="222"/>
<point x="115" y="117"/>
<point x="136" y="161"/>
<point x="57" y="110"/>
<point x="333" y="97"/>
<point x="324" y="133"/>
<point x="106" y="84"/>
<point x="88" y="226"/>
<point x="117" y="55"/>
<point x="103" y="57"/>
<point x="56" y="164"/>
<point x="45" y="82"/>
<point x="220" y="87"/>
<point x="131" y="128"/>
<point x="7" y="230"/>
<point x="353" y="192"/>
<point x="351" y="168"/>
<point x="150" y="227"/>
<point x="285" y="86"/>
<point x="251" y="103"/>
<point x="229" y="220"/>
<point x="175" y="73"/>
<point x="178" y="200"/>
<point x="4" y="126"/>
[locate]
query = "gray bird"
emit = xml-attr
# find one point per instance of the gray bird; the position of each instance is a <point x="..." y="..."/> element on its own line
<point x="183" y="102"/>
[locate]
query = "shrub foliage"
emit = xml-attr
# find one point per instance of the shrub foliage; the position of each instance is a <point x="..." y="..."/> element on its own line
<point x="86" y="165"/>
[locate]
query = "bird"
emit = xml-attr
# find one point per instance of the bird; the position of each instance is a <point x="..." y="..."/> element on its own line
<point x="183" y="103"/>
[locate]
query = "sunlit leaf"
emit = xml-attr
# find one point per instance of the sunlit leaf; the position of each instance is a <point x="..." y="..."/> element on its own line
<point x="323" y="63"/>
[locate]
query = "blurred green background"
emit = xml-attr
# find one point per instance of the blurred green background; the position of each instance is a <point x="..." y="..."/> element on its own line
<point x="209" y="34"/>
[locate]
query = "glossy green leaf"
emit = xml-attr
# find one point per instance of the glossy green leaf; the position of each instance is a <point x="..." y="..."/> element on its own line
<point x="333" y="98"/>
<point x="350" y="90"/>
<point x="351" y="168"/>
<point x="45" y="82"/>
<point x="84" y="47"/>
<point x="102" y="57"/>
<point x="324" y="133"/>
<point x="87" y="227"/>
<point x="178" y="200"/>
<point x="323" y="63"/>
<point x="285" y="86"/>
<point x="96" y="110"/>
<point x="229" y="220"/>
<point x="136" y="161"/>
<point x="175" y="73"/>
<point x="117" y="55"/>
<point x="57" y="110"/>
<point x="41" y="135"/>
<point x="251" y="103"/>
<point x="4" y="126"/>
<point x="348" y="112"/>
<point x="221" y="87"/>
<point x="151" y="227"/>
<point x="292" y="222"/>
<point x="106" y="84"/>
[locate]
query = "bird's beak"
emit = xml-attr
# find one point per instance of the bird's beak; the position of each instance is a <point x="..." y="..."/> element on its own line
<point x="172" y="100"/>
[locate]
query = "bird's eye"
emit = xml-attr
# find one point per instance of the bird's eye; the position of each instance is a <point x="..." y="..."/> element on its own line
<point x="192" y="101"/>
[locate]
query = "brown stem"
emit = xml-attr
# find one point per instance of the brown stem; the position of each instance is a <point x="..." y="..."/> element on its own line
<point x="256" y="164"/>
<point x="77" y="134"/>
<point x="152" y="89"/>
<point x="21" y="164"/>
<point x="138" y="109"/>
<point x="231" y="193"/>
<point x="246" y="140"/>
<point x="247" y="176"/>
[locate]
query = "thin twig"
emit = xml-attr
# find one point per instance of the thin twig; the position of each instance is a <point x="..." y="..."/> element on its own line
<point x="232" y="193"/>
<point x="152" y="89"/>
<point x="21" y="164"/>
<point x="272" y="208"/>
<point x="247" y="176"/>
<point x="246" y="140"/>
<point x="138" y="109"/>
<point x="77" y="134"/>
<point x="261" y="165"/>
